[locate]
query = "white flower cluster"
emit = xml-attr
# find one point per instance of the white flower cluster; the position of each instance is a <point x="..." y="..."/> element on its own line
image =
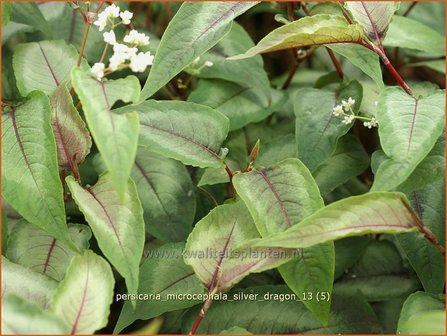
<point x="122" y="52"/>
<point x="345" y="110"/>
<point x="195" y="68"/>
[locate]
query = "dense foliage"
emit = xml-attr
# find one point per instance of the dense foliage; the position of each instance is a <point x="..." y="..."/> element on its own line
<point x="160" y="176"/>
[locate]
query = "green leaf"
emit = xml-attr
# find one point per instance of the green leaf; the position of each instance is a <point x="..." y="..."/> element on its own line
<point x="363" y="58"/>
<point x="82" y="300"/>
<point x="437" y="65"/>
<point x="412" y="34"/>
<point x="373" y="16"/>
<point x="312" y="30"/>
<point x="72" y="137"/>
<point x="347" y="252"/>
<point x="278" y="198"/>
<point x="30" y="169"/>
<point x="276" y="150"/>
<point x="275" y="311"/>
<point x="235" y="331"/>
<point x="29" y="13"/>
<point x="20" y="317"/>
<point x="247" y="73"/>
<point x="424" y="257"/>
<point x="117" y="224"/>
<point x="162" y="273"/>
<point x="378" y="212"/>
<point x="317" y="129"/>
<point x="379" y="274"/>
<point x="188" y="132"/>
<point x="242" y="105"/>
<point x="349" y="160"/>
<point x="423" y="313"/>
<point x="166" y="193"/>
<point x="409" y="128"/>
<point x="194" y="29"/>
<point x="35" y="249"/>
<point x="6" y="13"/>
<point x="29" y="285"/>
<point x="43" y="65"/>
<point x="115" y="134"/>
<point x="227" y="232"/>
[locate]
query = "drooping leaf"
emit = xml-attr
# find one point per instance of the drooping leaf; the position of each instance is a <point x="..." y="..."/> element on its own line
<point x="115" y="134"/>
<point x="227" y="232"/>
<point x="166" y="193"/>
<point x="279" y="197"/>
<point x="379" y="212"/>
<point x="194" y="29"/>
<point x="312" y="30"/>
<point x="188" y="132"/>
<point x="117" y="224"/>
<point x="317" y="129"/>
<point x="374" y="16"/>
<point x="409" y="128"/>
<point x="423" y="313"/>
<point x="363" y="58"/>
<point x="379" y="274"/>
<point x="20" y="317"/>
<point x="30" y="169"/>
<point x="163" y="273"/>
<point x="247" y="73"/>
<point x="82" y="300"/>
<point x="21" y="281"/>
<point x="409" y="33"/>
<point x="424" y="257"/>
<point x="349" y="160"/>
<point x="72" y="137"/>
<point x="275" y="311"/>
<point x="43" y="65"/>
<point x="37" y="250"/>
<point x="242" y="105"/>
<point x="29" y="13"/>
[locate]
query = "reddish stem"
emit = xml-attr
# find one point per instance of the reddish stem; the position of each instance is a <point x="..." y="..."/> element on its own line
<point x="335" y="62"/>
<point x="199" y="318"/>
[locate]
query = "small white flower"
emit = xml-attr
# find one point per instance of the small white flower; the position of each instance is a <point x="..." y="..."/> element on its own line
<point x="209" y="64"/>
<point x="136" y="38"/>
<point x="374" y="122"/>
<point x="112" y="11"/>
<point x="337" y="110"/>
<point x="126" y="51"/>
<point x="116" y="60"/>
<point x="126" y="16"/>
<point x="196" y="60"/>
<point x="139" y="62"/>
<point x="101" y="21"/>
<point x="348" y="119"/>
<point x="348" y="104"/>
<point x="109" y="37"/>
<point x="98" y="70"/>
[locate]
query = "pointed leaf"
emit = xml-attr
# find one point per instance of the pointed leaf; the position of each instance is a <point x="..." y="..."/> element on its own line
<point x="166" y="193"/>
<point x="356" y="215"/>
<point x="218" y="249"/>
<point x="29" y="13"/>
<point x="374" y="16"/>
<point x="82" y="300"/>
<point x="115" y="135"/>
<point x="43" y="65"/>
<point x="417" y="315"/>
<point x="118" y="225"/>
<point x="20" y="317"/>
<point x="317" y="129"/>
<point x="194" y="29"/>
<point x="409" y="128"/>
<point x="424" y="257"/>
<point x="312" y="30"/>
<point x="35" y="249"/>
<point x="188" y="132"/>
<point x="247" y="73"/>
<point x="163" y="273"/>
<point x="279" y="197"/>
<point x="379" y="274"/>
<point x="23" y="282"/>
<point x="349" y="160"/>
<point x="275" y="311"/>
<point x="30" y="169"/>
<point x="412" y="34"/>
<point x="72" y="137"/>
<point x="242" y="105"/>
